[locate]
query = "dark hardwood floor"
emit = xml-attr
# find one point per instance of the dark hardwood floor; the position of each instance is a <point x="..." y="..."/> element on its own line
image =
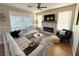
<point x="2" y="53"/>
<point x="61" y="49"/>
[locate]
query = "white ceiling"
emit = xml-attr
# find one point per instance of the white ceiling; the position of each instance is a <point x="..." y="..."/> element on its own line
<point x="34" y="9"/>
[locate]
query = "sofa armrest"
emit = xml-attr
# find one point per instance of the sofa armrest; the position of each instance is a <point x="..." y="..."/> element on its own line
<point x="14" y="48"/>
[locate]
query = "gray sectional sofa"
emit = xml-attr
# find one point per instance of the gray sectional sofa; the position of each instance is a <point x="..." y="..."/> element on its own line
<point x="15" y="47"/>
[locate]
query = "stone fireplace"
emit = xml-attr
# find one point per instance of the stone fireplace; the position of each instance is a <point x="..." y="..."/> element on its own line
<point x="49" y="26"/>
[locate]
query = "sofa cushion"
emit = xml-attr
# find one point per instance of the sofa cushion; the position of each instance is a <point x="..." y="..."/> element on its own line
<point x="22" y="42"/>
<point x="15" y="34"/>
<point x="14" y="48"/>
<point x="30" y="33"/>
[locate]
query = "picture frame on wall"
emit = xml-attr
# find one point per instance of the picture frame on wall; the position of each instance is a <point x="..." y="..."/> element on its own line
<point x="77" y="22"/>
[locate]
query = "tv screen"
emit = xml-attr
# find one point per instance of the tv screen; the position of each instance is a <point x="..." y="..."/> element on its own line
<point x="50" y="17"/>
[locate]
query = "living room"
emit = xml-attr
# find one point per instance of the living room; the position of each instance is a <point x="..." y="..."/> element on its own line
<point x="46" y="23"/>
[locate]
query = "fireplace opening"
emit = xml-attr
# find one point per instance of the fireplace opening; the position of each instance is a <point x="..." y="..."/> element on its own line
<point x="48" y="29"/>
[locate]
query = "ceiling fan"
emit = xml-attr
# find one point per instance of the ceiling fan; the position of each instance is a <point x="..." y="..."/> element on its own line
<point x="39" y="7"/>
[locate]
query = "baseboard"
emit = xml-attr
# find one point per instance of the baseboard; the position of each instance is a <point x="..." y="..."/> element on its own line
<point x="72" y="48"/>
<point x="73" y="51"/>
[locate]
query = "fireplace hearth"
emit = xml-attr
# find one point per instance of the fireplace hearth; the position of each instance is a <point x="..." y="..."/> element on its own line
<point x="48" y="29"/>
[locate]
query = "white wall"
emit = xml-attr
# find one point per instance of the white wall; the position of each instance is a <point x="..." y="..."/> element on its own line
<point x="35" y="20"/>
<point x="1" y="38"/>
<point x="75" y="31"/>
<point x="4" y="22"/>
<point x="40" y="18"/>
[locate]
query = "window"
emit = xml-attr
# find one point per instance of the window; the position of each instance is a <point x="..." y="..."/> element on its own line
<point x="64" y="20"/>
<point x="20" y="22"/>
<point x="28" y="22"/>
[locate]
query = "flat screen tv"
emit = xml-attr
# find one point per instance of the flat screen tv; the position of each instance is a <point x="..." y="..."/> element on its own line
<point x="50" y="17"/>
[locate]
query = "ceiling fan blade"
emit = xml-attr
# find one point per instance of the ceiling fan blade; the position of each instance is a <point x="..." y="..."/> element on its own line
<point x="30" y="6"/>
<point x="43" y="7"/>
<point x="39" y="7"/>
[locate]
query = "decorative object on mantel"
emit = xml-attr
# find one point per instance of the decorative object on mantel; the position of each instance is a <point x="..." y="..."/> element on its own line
<point x="77" y="22"/>
<point x="2" y="16"/>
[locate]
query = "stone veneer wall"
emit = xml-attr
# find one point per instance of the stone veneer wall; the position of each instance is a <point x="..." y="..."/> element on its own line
<point x="50" y="24"/>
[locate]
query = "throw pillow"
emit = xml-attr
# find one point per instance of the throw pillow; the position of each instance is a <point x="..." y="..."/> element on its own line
<point x="62" y="32"/>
